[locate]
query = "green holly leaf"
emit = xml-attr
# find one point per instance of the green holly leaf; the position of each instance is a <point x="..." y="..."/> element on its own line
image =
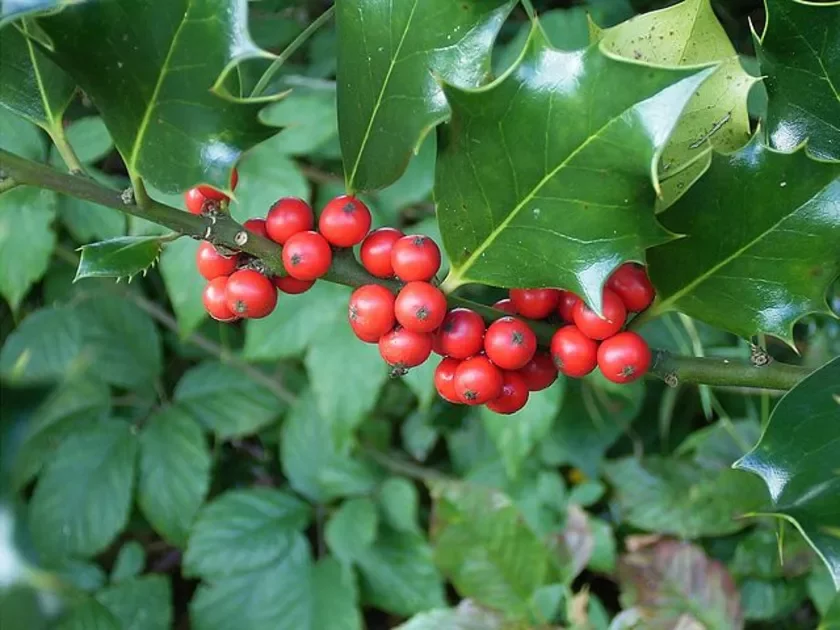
<point x="547" y="200"/>
<point x="170" y="134"/>
<point x="130" y="562"/>
<point x="143" y="602"/>
<point x="122" y="257"/>
<point x="800" y="57"/>
<point x="762" y="244"/>
<point x="796" y="460"/>
<point x="391" y="58"/>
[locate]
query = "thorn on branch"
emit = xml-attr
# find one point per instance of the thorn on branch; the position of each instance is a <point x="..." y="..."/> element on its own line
<point x="759" y="357"/>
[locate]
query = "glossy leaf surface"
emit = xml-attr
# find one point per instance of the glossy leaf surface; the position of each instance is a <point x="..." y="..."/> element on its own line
<point x="14" y="9"/>
<point x="121" y="257"/>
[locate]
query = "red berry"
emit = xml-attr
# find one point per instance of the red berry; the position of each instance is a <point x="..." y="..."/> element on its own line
<point x="371" y="312"/>
<point x="345" y="221"/>
<point x="307" y="256"/>
<point x="510" y="343"/>
<point x="514" y="394"/>
<point x="566" y="306"/>
<point x="211" y="264"/>
<point x="403" y="349"/>
<point x="256" y="226"/>
<point x="216" y="195"/>
<point x="478" y="381"/>
<point x="461" y="334"/>
<point x="445" y="379"/>
<point x="573" y="353"/>
<point x="420" y="307"/>
<point x="194" y="200"/>
<point x="596" y="327"/>
<point x="624" y="358"/>
<point x="292" y="286"/>
<point x="506" y="305"/>
<point x="535" y="303"/>
<point x="215" y="300"/>
<point x="631" y="283"/>
<point x="540" y="372"/>
<point x="415" y="257"/>
<point x="376" y="251"/>
<point x="250" y="294"/>
<point x="288" y="216"/>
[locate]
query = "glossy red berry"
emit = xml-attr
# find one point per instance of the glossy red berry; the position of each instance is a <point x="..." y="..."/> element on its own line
<point x="506" y="305"/>
<point x="624" y="358"/>
<point x="211" y="264"/>
<point x="415" y="257"/>
<point x="215" y="300"/>
<point x="461" y="335"/>
<point x="514" y="394"/>
<point x="445" y="379"/>
<point x="344" y="221"/>
<point x="566" y="306"/>
<point x="403" y="349"/>
<point x="250" y="294"/>
<point x="288" y="216"/>
<point x="292" y="286"/>
<point x="376" y="251"/>
<point x="216" y="195"/>
<point x="256" y="226"/>
<point x="596" y="327"/>
<point x="631" y="283"/>
<point x="307" y="256"/>
<point x="420" y="307"/>
<point x="194" y="201"/>
<point x="478" y="381"/>
<point x="540" y="372"/>
<point x="574" y="354"/>
<point x="371" y="312"/>
<point x="535" y="303"/>
<point x="510" y="343"/>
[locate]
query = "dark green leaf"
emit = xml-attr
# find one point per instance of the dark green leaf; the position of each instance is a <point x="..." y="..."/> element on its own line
<point x="14" y="9"/>
<point x="184" y="284"/>
<point x="399" y="502"/>
<point x="352" y="528"/>
<point x="90" y="222"/>
<point x="87" y="576"/>
<point x="89" y="615"/>
<point x="604" y="553"/>
<point x="308" y="117"/>
<point x="765" y="600"/>
<point x="391" y="58"/>
<point x="796" y="459"/>
<point x="547" y="201"/>
<point x="767" y="554"/>
<point x="831" y="620"/>
<point x="89" y="138"/>
<point x="566" y="29"/>
<point x="121" y="257"/>
<point x="21" y="137"/>
<point x="143" y="603"/>
<point x="130" y="562"/>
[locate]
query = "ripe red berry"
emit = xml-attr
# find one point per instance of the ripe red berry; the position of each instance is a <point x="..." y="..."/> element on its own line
<point x="478" y="381"/>
<point x="510" y="343"/>
<point x="514" y="394"/>
<point x="211" y="264"/>
<point x="415" y="257"/>
<point x="445" y="379"/>
<point x="216" y="195"/>
<point x="506" y="305"/>
<point x="631" y="283"/>
<point x="256" y="226"/>
<point x="292" y="286"/>
<point x="371" y="312"/>
<point x="376" y="251"/>
<point x="624" y="358"/>
<point x="566" y="306"/>
<point x="403" y="349"/>
<point x="540" y="372"/>
<point x="345" y="221"/>
<point x="215" y="300"/>
<point x="250" y="294"/>
<point x="194" y="201"/>
<point x="461" y="334"/>
<point x="288" y="216"/>
<point x="596" y="327"/>
<point x="535" y="303"/>
<point x="307" y="256"/>
<point x="420" y="307"/>
<point x="573" y="353"/>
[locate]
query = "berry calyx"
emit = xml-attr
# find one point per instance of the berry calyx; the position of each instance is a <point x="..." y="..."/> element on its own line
<point x="250" y="294"/>
<point x="403" y="349"/>
<point x="415" y="257"/>
<point x="194" y="201"/>
<point x="345" y="221"/>
<point x="510" y="343"/>
<point x="420" y="307"/>
<point x="506" y="305"/>
<point x="371" y="312"/>
<point x="574" y="354"/>
<point x="478" y="381"/>
<point x="217" y="195"/>
<point x="445" y="379"/>
<point x="631" y="283"/>
<point x="566" y="306"/>
<point x="307" y="256"/>
<point x="596" y="327"/>
<point x="288" y="216"/>
<point x="624" y="358"/>
<point x="211" y="264"/>
<point x="535" y="303"/>
<point x="514" y="394"/>
<point x="375" y="252"/>
<point x="461" y="334"/>
<point x="215" y="300"/>
<point x="292" y="286"/>
<point x="540" y="372"/>
<point x="256" y="226"/>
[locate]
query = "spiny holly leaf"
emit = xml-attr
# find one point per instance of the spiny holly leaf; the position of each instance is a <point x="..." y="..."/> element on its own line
<point x="13" y="9"/>
<point x="122" y="257"/>
<point x="551" y="165"/>
<point x="762" y="244"/>
<point x="154" y="92"/>
<point x="391" y="56"/>
<point x="797" y="459"/>
<point x="799" y="54"/>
